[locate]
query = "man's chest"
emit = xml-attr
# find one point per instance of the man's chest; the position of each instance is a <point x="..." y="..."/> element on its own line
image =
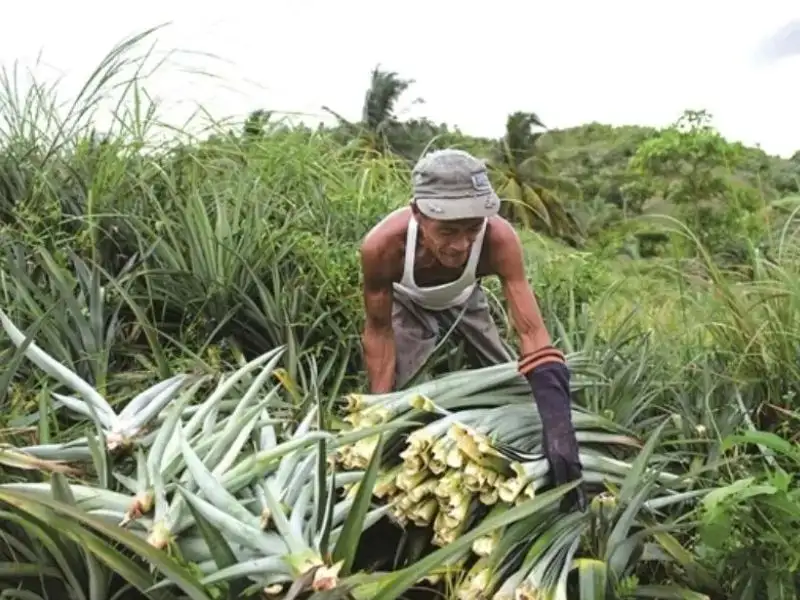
<point x="427" y="272"/>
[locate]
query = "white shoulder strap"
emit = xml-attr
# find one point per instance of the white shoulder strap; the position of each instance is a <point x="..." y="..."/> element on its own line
<point x="411" y="252"/>
<point x="475" y="253"/>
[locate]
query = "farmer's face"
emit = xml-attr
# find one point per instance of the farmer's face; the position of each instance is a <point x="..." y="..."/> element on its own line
<point x="449" y="241"/>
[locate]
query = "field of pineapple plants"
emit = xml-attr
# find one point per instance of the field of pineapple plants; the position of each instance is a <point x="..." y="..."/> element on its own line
<point x="184" y="414"/>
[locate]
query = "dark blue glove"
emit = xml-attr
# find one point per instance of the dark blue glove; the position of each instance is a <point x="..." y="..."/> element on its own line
<point x="548" y="376"/>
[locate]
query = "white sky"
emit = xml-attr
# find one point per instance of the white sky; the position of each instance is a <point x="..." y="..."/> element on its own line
<point x="570" y="61"/>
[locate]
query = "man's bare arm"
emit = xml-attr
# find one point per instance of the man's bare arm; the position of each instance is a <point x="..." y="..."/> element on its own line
<point x="509" y="264"/>
<point x="542" y="365"/>
<point x="378" y="337"/>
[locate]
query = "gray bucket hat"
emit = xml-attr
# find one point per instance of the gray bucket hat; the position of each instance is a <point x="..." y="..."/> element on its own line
<point x="452" y="184"/>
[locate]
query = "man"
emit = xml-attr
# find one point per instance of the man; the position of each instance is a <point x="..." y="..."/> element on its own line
<point x="422" y="265"/>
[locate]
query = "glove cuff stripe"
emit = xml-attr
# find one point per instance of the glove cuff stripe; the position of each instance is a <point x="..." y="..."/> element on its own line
<point x="548" y="354"/>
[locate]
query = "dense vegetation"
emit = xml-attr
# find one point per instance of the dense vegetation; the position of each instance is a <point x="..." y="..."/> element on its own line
<point x="222" y="274"/>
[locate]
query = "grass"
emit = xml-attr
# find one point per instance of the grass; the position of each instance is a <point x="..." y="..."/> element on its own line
<point x="130" y="261"/>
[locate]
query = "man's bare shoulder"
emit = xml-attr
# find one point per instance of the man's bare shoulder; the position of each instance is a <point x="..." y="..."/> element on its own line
<point x="387" y="231"/>
<point x="503" y="247"/>
<point x="384" y="243"/>
<point x="500" y="234"/>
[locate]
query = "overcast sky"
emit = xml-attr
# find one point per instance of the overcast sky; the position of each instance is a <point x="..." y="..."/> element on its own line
<point x="570" y="61"/>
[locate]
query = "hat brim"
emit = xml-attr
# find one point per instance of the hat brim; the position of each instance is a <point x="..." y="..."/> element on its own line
<point x="453" y="209"/>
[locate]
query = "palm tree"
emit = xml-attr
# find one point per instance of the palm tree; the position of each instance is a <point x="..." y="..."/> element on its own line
<point x="256" y="122"/>
<point x="526" y="183"/>
<point x="378" y="113"/>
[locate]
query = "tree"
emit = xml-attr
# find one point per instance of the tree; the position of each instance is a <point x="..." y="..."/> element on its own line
<point x="378" y="112"/>
<point x="526" y="183"/>
<point x="684" y="160"/>
<point x="690" y="165"/>
<point x="256" y="123"/>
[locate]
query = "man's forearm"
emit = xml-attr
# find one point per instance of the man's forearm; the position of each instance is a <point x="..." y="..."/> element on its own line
<point x="534" y="340"/>
<point x="379" y="356"/>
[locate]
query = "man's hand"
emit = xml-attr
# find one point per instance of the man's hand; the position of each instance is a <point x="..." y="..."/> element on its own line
<point x="548" y="376"/>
